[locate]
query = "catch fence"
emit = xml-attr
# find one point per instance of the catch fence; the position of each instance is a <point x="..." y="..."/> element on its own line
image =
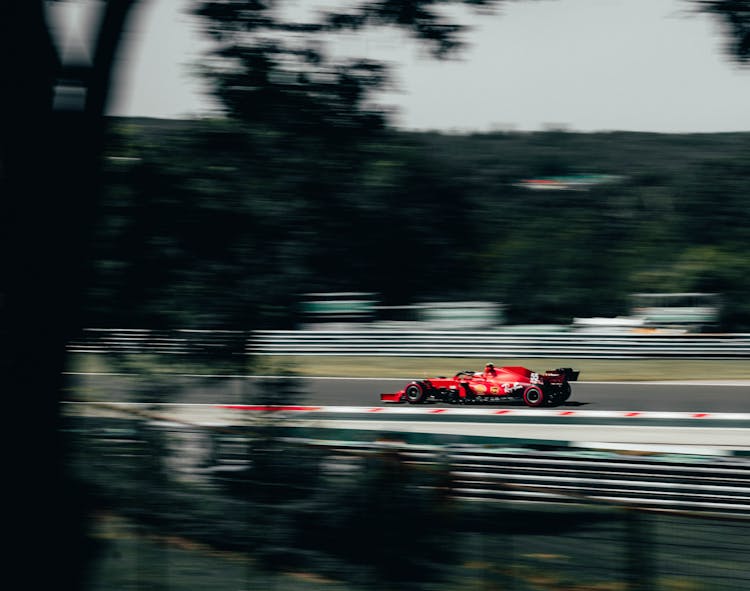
<point x="472" y="516"/>
<point x="414" y="343"/>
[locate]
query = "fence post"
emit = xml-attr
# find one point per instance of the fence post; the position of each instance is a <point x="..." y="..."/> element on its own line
<point x="639" y="551"/>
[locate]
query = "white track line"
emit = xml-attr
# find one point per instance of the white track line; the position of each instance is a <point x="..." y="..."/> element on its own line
<point x="504" y="412"/>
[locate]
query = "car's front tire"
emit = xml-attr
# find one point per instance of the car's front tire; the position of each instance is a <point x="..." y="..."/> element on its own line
<point x="415" y="393"/>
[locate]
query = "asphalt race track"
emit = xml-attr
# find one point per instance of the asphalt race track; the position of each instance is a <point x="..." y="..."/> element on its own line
<point x="590" y="396"/>
<point x="622" y="396"/>
<point x="701" y="416"/>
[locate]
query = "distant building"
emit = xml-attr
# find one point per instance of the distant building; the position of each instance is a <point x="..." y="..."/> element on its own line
<point x="338" y="307"/>
<point x="332" y="310"/>
<point x="575" y="182"/>
<point x="461" y="315"/>
<point x="689" y="309"/>
<point x="660" y="312"/>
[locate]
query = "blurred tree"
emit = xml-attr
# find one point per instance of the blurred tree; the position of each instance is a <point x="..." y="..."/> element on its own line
<point x="293" y="194"/>
<point x="566" y="258"/>
<point x="52" y="124"/>
<point x="274" y="68"/>
<point x="272" y="65"/>
<point x="392" y="214"/>
<point x="228" y="227"/>
<point x="735" y="17"/>
<point x="712" y="206"/>
<point x="225" y="224"/>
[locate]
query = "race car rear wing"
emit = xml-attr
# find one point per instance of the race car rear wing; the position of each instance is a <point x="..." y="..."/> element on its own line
<point x="570" y="374"/>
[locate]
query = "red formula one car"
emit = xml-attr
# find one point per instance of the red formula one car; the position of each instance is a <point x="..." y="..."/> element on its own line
<point x="493" y="385"/>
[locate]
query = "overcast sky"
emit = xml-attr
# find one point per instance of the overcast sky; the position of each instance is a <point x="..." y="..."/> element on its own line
<point x="587" y="65"/>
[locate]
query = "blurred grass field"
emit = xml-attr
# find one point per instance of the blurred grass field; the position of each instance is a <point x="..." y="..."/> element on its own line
<point x="592" y="370"/>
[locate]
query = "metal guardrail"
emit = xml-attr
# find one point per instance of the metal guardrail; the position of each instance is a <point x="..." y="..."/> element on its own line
<point x="414" y="343"/>
<point x="499" y="344"/>
<point x="666" y="482"/>
<point x="576" y="518"/>
<point x="167" y="342"/>
<point x="673" y="482"/>
<point x="662" y="483"/>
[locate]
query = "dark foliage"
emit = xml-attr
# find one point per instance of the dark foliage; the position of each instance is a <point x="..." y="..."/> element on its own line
<point x="735" y="17"/>
<point x="272" y="68"/>
<point x="213" y="224"/>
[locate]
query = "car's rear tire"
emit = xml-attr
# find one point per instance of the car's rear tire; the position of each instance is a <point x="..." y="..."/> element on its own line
<point x="565" y="392"/>
<point x="533" y="396"/>
<point x="415" y="393"/>
<point x="553" y="399"/>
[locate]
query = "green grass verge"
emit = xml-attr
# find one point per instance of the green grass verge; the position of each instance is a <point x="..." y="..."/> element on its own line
<point x="592" y="370"/>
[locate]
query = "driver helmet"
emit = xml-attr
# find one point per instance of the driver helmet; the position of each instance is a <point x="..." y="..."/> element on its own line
<point x="488" y="367"/>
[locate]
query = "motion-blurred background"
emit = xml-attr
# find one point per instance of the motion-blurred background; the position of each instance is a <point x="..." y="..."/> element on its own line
<point x="539" y="168"/>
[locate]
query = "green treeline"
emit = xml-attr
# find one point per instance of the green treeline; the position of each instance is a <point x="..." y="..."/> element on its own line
<point x="215" y="223"/>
